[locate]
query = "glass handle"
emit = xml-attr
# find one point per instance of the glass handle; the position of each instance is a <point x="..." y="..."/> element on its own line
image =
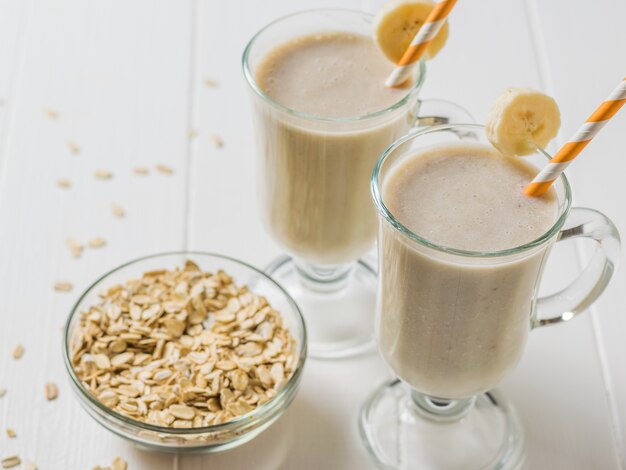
<point x="433" y="112"/>
<point x="582" y="292"/>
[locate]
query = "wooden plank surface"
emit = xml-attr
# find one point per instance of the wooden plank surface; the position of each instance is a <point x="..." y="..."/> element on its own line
<point x="13" y="14"/>
<point x="127" y="79"/>
<point x="582" y="72"/>
<point x="117" y="74"/>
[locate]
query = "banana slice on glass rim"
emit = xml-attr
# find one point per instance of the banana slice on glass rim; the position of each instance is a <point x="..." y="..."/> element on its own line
<point x="398" y="21"/>
<point x="522" y="119"/>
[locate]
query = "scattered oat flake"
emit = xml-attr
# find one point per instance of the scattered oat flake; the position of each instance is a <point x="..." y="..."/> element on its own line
<point x="103" y="174"/>
<point x="52" y="391"/>
<point x="119" y="464"/>
<point x="141" y="170"/>
<point x="117" y="211"/>
<point x="3" y="392"/>
<point x="210" y="83"/>
<point x="76" y="248"/>
<point x="18" y="352"/>
<point x="51" y="113"/>
<point x="166" y="170"/>
<point x="64" y="183"/>
<point x="63" y="286"/>
<point x="192" y="134"/>
<point x="75" y="149"/>
<point x="11" y="461"/>
<point x="11" y="433"/>
<point x="97" y="243"/>
<point x="30" y="465"/>
<point x="217" y="141"/>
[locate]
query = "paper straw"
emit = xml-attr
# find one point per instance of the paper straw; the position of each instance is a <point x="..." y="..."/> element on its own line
<point x="420" y="42"/>
<point x="578" y="142"/>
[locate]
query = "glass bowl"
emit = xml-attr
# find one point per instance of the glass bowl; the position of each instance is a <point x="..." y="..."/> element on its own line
<point x="213" y="438"/>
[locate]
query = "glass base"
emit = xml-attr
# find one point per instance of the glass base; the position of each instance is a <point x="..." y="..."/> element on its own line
<point x="403" y="429"/>
<point x="338" y="308"/>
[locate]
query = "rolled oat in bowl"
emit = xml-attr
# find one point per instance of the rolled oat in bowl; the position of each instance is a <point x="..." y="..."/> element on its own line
<point x="182" y="348"/>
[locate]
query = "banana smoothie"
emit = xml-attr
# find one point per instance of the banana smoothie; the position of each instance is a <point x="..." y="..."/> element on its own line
<point x="452" y="326"/>
<point x="317" y="160"/>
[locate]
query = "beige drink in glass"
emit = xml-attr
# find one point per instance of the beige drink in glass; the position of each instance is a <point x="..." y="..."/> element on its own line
<point x="322" y="117"/>
<point x="461" y="253"/>
<point x="454" y="329"/>
<point x="315" y="178"/>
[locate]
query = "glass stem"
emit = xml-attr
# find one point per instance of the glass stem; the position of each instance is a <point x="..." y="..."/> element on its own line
<point x="323" y="278"/>
<point x="441" y="409"/>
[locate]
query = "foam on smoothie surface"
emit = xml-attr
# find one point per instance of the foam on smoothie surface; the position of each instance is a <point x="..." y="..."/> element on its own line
<point x="469" y="197"/>
<point x="332" y="74"/>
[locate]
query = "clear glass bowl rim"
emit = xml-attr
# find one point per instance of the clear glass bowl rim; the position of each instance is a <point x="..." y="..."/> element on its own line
<point x="265" y="410"/>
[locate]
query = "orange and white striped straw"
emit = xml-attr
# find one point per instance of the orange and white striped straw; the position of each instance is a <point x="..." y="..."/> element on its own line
<point x="578" y="142"/>
<point x="420" y="42"/>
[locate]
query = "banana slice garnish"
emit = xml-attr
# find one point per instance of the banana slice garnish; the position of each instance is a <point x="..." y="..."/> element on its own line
<point x="396" y="24"/>
<point x="521" y="120"/>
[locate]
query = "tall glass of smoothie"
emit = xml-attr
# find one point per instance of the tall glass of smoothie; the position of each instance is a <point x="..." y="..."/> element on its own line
<point x="322" y="116"/>
<point x="461" y="254"/>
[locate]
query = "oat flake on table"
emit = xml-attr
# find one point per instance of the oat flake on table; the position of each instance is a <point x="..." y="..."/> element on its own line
<point x="51" y="113"/>
<point x="52" y="391"/>
<point x="75" y="149"/>
<point x="141" y="170"/>
<point x="164" y="169"/>
<point x="97" y="242"/>
<point x="11" y="461"/>
<point x="64" y="183"/>
<point x="118" y="464"/>
<point x="63" y="286"/>
<point x="217" y="141"/>
<point x="103" y="174"/>
<point x="76" y="248"/>
<point x="118" y="211"/>
<point x="18" y="352"/>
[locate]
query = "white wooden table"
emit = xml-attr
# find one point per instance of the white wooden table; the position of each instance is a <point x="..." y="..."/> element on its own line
<point x="127" y="78"/>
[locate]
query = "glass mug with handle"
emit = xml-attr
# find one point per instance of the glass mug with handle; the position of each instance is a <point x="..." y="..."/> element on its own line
<point x="452" y="323"/>
<point x="315" y="164"/>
